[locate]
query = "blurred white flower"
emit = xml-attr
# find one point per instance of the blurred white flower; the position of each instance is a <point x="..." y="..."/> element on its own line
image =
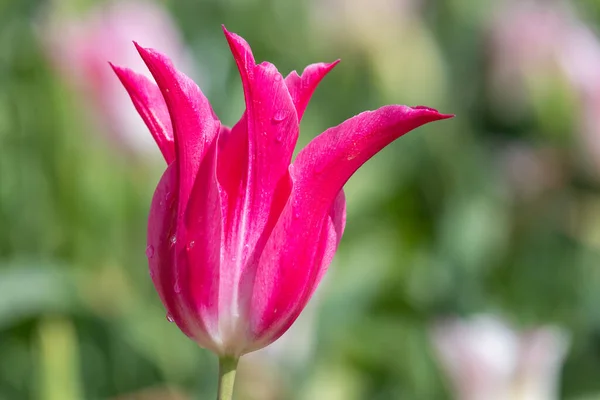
<point x="80" y="46"/>
<point x="486" y="359"/>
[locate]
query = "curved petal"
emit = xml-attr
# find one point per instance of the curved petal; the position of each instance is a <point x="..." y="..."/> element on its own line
<point x="195" y="125"/>
<point x="302" y="87"/>
<point x="150" y="104"/>
<point x="329" y="160"/>
<point x="274" y="314"/>
<point x="253" y="172"/>
<point x="288" y="264"/>
<point x="202" y="255"/>
<point x="187" y="276"/>
<point x="161" y="254"/>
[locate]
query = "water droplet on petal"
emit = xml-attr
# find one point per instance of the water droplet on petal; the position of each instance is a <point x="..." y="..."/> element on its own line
<point x="296" y="214"/>
<point x="279" y="116"/>
<point x="177" y="288"/>
<point x="191" y="245"/>
<point x="173" y="240"/>
<point x="150" y="251"/>
<point x="170" y="318"/>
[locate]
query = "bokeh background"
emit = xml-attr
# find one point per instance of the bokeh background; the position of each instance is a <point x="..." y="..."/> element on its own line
<point x="496" y="211"/>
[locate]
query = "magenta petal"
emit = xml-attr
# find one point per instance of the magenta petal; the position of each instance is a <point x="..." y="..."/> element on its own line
<point x="292" y="265"/>
<point x="195" y="125"/>
<point x="242" y="54"/>
<point x="150" y="104"/>
<point x="199" y="257"/>
<point x="302" y="87"/>
<point x="253" y="166"/>
<point x="328" y="161"/>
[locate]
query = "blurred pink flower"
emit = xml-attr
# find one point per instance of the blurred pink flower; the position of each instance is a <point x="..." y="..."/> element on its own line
<point x="535" y="40"/>
<point x="486" y="359"/>
<point x="239" y="238"/>
<point x="79" y="47"/>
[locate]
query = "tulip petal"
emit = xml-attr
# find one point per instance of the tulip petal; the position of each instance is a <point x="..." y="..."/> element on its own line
<point x="302" y="87"/>
<point x="150" y="104"/>
<point x="189" y="293"/>
<point x="195" y="125"/>
<point x="289" y="266"/>
<point x="161" y="254"/>
<point x="270" y="320"/>
<point x="328" y="161"/>
<point x="199" y="257"/>
<point x="252" y="170"/>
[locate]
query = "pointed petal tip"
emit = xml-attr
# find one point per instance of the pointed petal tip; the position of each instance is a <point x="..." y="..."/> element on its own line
<point x="143" y="51"/>
<point x="114" y="67"/>
<point x="119" y="71"/>
<point x="240" y="49"/>
<point x="330" y="66"/>
<point x="146" y="51"/>
<point x="433" y="112"/>
<point x="230" y="36"/>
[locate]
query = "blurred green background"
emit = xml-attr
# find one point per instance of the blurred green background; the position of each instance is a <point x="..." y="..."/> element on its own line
<point x="497" y="210"/>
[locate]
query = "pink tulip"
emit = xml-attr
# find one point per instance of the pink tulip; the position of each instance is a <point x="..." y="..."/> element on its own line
<point x="239" y="236"/>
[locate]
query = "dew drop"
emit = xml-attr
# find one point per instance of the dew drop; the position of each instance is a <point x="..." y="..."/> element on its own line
<point x="279" y="138"/>
<point x="191" y="245"/>
<point x="296" y="214"/>
<point x="279" y="116"/>
<point x="170" y="318"/>
<point x="173" y="240"/>
<point x="150" y="251"/>
<point x="177" y="288"/>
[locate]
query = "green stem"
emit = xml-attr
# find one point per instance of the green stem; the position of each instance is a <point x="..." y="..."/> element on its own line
<point x="227" y="368"/>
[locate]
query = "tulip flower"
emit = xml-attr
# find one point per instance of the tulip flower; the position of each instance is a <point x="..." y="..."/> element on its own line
<point x="239" y="236"/>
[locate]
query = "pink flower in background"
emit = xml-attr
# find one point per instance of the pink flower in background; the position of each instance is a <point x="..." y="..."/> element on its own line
<point x="485" y="359"/>
<point x="533" y="41"/>
<point x="79" y="47"/>
<point x="239" y="237"/>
